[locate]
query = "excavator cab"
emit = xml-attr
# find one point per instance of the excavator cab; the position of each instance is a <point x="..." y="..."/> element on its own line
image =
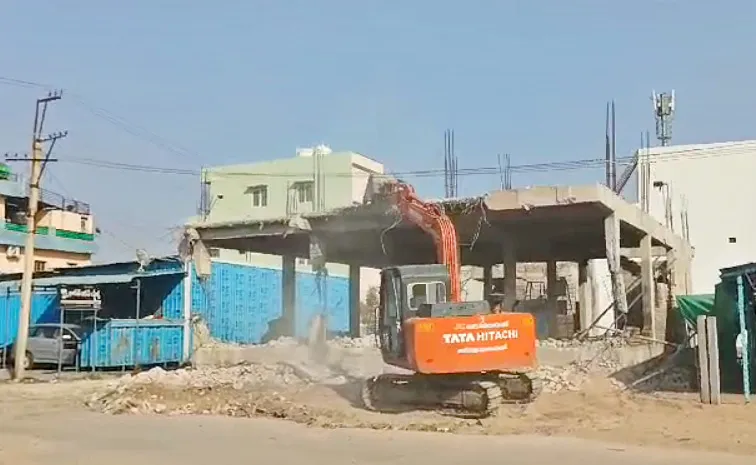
<point x="414" y="292"/>
<point x="404" y="291"/>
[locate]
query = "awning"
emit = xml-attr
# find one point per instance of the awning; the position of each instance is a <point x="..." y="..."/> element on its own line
<point x="93" y="280"/>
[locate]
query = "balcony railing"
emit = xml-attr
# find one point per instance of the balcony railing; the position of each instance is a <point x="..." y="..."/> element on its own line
<point x="49" y="197"/>
<point x="64" y="203"/>
<point x="45" y="231"/>
<point x="12" y="177"/>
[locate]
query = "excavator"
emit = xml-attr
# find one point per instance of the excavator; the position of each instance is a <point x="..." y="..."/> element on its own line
<point x="463" y="358"/>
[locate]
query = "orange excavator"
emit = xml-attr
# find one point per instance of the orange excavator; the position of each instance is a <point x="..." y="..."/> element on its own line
<point x="464" y="358"/>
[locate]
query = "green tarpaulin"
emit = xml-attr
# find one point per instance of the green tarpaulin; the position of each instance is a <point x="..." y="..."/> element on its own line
<point x="693" y="306"/>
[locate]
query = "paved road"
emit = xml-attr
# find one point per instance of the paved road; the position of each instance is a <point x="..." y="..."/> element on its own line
<point x="83" y="438"/>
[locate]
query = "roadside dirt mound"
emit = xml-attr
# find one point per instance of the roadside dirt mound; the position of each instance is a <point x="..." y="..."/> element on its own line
<point x="599" y="410"/>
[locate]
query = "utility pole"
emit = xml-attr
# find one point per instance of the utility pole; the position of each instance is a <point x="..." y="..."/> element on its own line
<point x="38" y="162"/>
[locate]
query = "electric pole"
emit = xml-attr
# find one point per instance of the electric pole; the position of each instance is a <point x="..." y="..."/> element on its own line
<point x="38" y="162"/>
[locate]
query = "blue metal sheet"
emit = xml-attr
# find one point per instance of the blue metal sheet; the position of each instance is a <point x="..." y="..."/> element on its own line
<point x="173" y="303"/>
<point x="239" y="302"/>
<point x="126" y="343"/>
<point x="330" y="296"/>
<point x="45" y="309"/>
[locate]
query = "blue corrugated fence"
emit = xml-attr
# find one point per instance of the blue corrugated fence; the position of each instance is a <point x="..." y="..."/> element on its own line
<point x="240" y="301"/>
<point x="45" y="309"/>
<point x="128" y="342"/>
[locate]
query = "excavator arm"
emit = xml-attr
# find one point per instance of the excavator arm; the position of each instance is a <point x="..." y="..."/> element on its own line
<point x="433" y="220"/>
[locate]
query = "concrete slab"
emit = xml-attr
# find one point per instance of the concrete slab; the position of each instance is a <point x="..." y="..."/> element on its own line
<point x="539" y="217"/>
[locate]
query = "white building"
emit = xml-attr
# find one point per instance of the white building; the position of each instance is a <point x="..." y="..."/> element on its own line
<point x="703" y="192"/>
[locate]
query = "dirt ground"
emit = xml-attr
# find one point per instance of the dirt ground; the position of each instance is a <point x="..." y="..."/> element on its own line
<point x="599" y="411"/>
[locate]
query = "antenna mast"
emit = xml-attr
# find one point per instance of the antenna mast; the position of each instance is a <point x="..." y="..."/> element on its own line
<point x="664" y="112"/>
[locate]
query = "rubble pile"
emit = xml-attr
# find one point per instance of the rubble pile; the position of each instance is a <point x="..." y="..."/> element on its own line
<point x="283" y="341"/>
<point x="206" y="390"/>
<point x="240" y="375"/>
<point x="363" y="342"/>
<point x="600" y="360"/>
<point x="617" y="341"/>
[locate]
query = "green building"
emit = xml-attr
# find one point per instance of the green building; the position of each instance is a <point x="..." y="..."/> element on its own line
<point x="314" y="179"/>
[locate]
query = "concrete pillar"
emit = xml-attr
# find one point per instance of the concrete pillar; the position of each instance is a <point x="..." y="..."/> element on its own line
<point x="289" y="295"/>
<point x="612" y="236"/>
<point x="551" y="297"/>
<point x="585" y="295"/>
<point x="487" y="281"/>
<point x="354" y="301"/>
<point x="510" y="274"/>
<point x="648" y="288"/>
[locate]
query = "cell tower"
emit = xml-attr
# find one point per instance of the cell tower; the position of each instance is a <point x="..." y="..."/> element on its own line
<point x="664" y="112"/>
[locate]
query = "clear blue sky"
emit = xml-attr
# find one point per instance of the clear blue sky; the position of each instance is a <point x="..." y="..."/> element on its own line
<point x="242" y="81"/>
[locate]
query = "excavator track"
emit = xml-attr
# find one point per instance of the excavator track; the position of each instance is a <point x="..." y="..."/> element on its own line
<point x="466" y="396"/>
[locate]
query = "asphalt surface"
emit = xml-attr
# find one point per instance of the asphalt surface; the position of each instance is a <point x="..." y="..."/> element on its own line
<point x="81" y="438"/>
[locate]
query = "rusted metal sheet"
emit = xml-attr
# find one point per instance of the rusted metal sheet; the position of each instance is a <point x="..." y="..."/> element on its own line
<point x="128" y="343"/>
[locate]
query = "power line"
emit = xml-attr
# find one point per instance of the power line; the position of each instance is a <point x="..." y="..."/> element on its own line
<point x="180" y="151"/>
<point x="692" y="154"/>
<point x="133" y="129"/>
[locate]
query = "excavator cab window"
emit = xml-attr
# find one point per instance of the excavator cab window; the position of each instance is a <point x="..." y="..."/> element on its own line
<point x="425" y="293"/>
<point x="389" y="319"/>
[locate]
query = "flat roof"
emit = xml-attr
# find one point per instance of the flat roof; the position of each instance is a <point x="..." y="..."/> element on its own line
<point x="92" y="280"/>
<point x="554" y="222"/>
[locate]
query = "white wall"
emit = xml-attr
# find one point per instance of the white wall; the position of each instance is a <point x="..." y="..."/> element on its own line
<point x="716" y="183"/>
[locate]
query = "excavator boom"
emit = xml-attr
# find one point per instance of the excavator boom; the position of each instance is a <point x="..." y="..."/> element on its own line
<point x="433" y="220"/>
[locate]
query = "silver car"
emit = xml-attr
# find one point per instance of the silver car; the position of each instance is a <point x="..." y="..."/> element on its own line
<point x="49" y="344"/>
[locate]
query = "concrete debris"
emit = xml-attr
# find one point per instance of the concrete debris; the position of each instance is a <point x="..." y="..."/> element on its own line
<point x="574" y="343"/>
<point x="316" y="373"/>
<point x="269" y="386"/>
<point x="600" y="360"/>
<point x="364" y="342"/>
<point x="240" y="375"/>
<point x="282" y="341"/>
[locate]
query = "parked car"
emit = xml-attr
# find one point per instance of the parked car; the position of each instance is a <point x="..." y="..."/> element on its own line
<point x="48" y="346"/>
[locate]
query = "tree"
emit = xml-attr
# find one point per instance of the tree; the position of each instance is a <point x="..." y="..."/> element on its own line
<point x="368" y="306"/>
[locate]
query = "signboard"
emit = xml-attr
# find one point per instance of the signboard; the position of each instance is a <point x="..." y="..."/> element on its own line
<point x="80" y="297"/>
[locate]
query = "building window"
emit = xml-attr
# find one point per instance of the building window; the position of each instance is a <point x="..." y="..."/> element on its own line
<point x="303" y="261"/>
<point x="259" y="196"/>
<point x="39" y="265"/>
<point x="304" y="191"/>
<point x="83" y="223"/>
<point x="72" y="264"/>
<point x="213" y="252"/>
